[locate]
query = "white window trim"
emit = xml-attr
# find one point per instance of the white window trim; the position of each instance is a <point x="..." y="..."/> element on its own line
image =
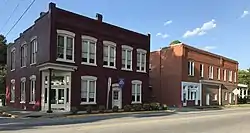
<point x="32" y="39"/>
<point x="13" y="82"/>
<point x="23" y="80"/>
<point x="141" y="51"/>
<point x="126" y="47"/>
<point x="89" y="78"/>
<point x="67" y="34"/>
<point x="25" y="45"/>
<point x="202" y="70"/>
<point x="191" y="69"/>
<point x="136" y="82"/>
<point x="14" y="65"/>
<point x="230" y="76"/>
<point x="225" y="75"/>
<point x="84" y="37"/>
<point x="32" y="78"/>
<point x="235" y="77"/>
<point x="218" y="73"/>
<point x="211" y="72"/>
<point x="109" y="43"/>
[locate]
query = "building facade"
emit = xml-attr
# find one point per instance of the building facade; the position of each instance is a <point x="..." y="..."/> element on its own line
<point x="186" y="76"/>
<point x="78" y="62"/>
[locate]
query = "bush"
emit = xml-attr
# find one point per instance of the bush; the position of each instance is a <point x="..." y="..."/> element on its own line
<point x="74" y="110"/>
<point x="127" y="108"/>
<point x="137" y="107"/>
<point x="155" y="106"/>
<point x="89" y="109"/>
<point x="115" y="109"/>
<point x="146" y="106"/>
<point x="101" y="108"/>
<point x="164" y="107"/>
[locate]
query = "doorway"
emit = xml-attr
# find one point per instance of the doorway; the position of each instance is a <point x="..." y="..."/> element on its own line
<point x="207" y="99"/>
<point x="117" y="97"/>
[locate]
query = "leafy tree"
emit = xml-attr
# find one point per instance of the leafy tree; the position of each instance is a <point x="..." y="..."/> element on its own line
<point x="3" y="59"/>
<point x="175" y="42"/>
<point x="244" y="77"/>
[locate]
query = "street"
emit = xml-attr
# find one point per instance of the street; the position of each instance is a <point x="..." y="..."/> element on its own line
<point x="220" y="121"/>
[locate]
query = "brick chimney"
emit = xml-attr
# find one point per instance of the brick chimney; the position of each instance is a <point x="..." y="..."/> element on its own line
<point x="99" y="17"/>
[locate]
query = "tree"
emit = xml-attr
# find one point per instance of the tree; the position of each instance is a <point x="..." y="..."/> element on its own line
<point x="3" y="60"/>
<point x="244" y="76"/>
<point x="175" y="42"/>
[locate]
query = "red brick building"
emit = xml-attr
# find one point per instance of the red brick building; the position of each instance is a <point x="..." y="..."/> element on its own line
<point x="192" y="77"/>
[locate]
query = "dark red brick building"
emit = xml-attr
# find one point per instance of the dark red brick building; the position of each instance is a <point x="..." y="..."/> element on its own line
<point x="81" y="60"/>
<point x="192" y="77"/>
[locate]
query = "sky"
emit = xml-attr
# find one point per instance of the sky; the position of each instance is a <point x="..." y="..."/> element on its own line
<point x="218" y="26"/>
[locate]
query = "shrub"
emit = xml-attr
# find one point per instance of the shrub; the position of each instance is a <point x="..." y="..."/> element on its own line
<point x="115" y="109"/>
<point x="101" y="108"/>
<point x="137" y="107"/>
<point x="146" y="106"/>
<point x="164" y="107"/>
<point x="155" y="106"/>
<point x="74" y="110"/>
<point x="89" y="109"/>
<point x="127" y="108"/>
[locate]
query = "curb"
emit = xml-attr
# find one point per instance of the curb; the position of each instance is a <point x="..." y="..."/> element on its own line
<point x="5" y="114"/>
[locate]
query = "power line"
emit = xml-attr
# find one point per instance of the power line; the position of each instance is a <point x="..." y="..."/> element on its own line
<point x="10" y="17"/>
<point x="20" y="17"/>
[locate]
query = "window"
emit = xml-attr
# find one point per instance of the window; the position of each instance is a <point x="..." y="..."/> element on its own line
<point x="13" y="59"/>
<point x="215" y="97"/>
<point x="23" y="55"/>
<point x="22" y="90"/>
<point x="89" y="50"/>
<point x="136" y="91"/>
<point x="109" y="54"/>
<point x="32" y="89"/>
<point x="201" y="70"/>
<point x="225" y="95"/>
<point x="225" y="75"/>
<point x="141" y="60"/>
<point x="230" y="76"/>
<point x="33" y="47"/>
<point x="235" y="77"/>
<point x="88" y="90"/>
<point x="65" y="46"/>
<point x="218" y="73"/>
<point x="126" y="57"/>
<point x="12" y="91"/>
<point x="191" y="68"/>
<point x="211" y="72"/>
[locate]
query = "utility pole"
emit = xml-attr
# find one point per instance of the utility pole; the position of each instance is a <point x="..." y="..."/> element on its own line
<point x="49" y="95"/>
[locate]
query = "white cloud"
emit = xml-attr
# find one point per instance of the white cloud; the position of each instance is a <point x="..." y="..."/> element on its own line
<point x="244" y="14"/>
<point x="201" y="30"/>
<point x="162" y="35"/>
<point x="168" y="22"/>
<point x="207" y="48"/>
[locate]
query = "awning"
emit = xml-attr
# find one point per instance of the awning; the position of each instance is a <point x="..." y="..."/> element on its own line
<point x="56" y="66"/>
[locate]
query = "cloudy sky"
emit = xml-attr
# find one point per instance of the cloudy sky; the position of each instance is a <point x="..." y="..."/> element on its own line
<point x="220" y="26"/>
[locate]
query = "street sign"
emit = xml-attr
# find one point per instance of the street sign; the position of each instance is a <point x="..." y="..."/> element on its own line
<point x="121" y="82"/>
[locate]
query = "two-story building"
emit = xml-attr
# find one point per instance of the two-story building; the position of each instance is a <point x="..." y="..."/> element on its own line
<point x="68" y="60"/>
<point x="183" y="75"/>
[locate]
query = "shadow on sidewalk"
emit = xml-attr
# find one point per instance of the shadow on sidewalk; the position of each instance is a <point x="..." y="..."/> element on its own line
<point x="21" y="124"/>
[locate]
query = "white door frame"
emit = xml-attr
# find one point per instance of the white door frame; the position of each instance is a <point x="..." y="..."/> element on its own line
<point x="66" y="105"/>
<point x="115" y="87"/>
<point x="207" y="99"/>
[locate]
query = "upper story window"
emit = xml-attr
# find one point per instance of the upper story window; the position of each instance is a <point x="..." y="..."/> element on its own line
<point x="225" y="74"/>
<point x="88" y="89"/>
<point x="23" y="55"/>
<point x="33" y="47"/>
<point x="201" y="70"/>
<point x="230" y="76"/>
<point x="210" y="72"/>
<point x="218" y="73"/>
<point x="109" y="54"/>
<point x="13" y="59"/>
<point x="190" y="68"/>
<point x="65" y="46"/>
<point x="141" y="60"/>
<point x="235" y="76"/>
<point x="127" y="57"/>
<point x="89" y="50"/>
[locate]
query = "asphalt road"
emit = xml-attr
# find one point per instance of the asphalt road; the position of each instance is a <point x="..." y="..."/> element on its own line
<point x="223" y="121"/>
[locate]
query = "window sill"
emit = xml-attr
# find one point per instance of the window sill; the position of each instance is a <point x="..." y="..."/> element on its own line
<point x="23" y="66"/>
<point x="141" y="71"/>
<point x="22" y="102"/>
<point x="63" y="60"/>
<point x="12" y="70"/>
<point x="33" y="64"/>
<point x="112" y="67"/>
<point x="191" y="75"/>
<point x="135" y="102"/>
<point x="87" y="103"/>
<point x="89" y="64"/>
<point x="12" y="101"/>
<point x="32" y="102"/>
<point x="127" y="69"/>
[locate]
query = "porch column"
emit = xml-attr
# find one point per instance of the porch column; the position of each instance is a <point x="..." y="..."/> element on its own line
<point x="49" y="91"/>
<point x="246" y="92"/>
<point x="220" y="95"/>
<point x="200" y="94"/>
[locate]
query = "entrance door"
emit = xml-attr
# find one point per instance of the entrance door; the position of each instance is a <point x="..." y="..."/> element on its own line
<point x="58" y="98"/>
<point x="117" y="97"/>
<point x="207" y="99"/>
